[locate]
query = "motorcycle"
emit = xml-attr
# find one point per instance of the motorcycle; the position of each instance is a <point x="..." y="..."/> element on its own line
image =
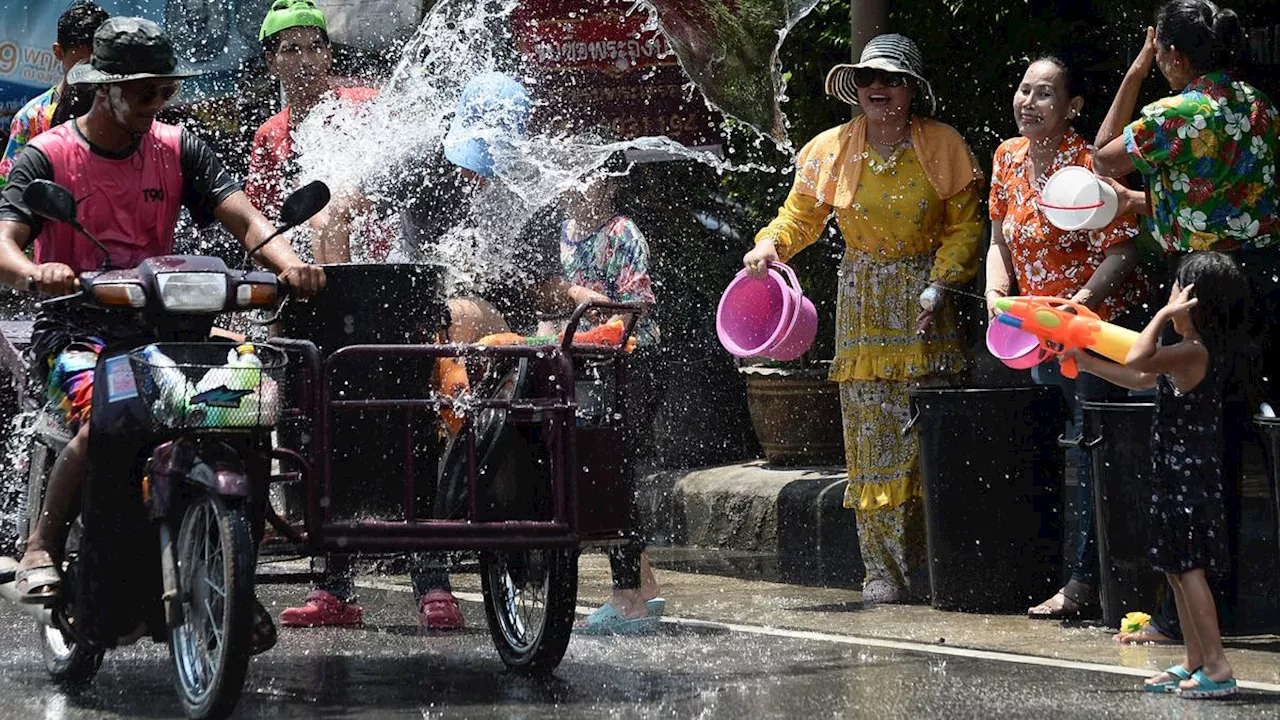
<point x="165" y="543"/>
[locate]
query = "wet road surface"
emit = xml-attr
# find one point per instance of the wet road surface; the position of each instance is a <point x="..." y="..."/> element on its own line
<point x="687" y="670"/>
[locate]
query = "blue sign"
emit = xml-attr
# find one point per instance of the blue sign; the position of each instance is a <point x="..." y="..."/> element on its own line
<point x="212" y="37"/>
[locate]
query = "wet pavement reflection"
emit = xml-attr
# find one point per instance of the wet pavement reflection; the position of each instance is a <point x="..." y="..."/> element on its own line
<point x="388" y="670"/>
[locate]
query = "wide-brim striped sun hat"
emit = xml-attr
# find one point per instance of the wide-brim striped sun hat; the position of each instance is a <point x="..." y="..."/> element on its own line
<point x="890" y="53"/>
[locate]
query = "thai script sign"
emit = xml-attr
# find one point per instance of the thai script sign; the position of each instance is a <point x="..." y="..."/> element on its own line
<point x="612" y="70"/>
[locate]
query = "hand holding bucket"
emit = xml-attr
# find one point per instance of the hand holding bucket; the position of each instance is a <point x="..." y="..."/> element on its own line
<point x="766" y="317"/>
<point x="1076" y="199"/>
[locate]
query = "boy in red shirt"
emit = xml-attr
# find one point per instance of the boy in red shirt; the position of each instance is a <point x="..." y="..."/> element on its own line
<point x="295" y="41"/>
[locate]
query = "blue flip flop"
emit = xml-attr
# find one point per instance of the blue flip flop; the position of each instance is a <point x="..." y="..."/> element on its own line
<point x="1207" y="689"/>
<point x="606" y="620"/>
<point x="656" y="607"/>
<point x="1179" y="674"/>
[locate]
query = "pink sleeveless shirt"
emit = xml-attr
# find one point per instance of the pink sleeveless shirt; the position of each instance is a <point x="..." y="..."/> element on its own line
<point x="130" y="204"/>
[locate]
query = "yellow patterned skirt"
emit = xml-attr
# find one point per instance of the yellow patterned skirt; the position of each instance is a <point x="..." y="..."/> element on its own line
<point x="879" y="357"/>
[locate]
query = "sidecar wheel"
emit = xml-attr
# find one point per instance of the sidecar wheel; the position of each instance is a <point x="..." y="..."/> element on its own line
<point x="529" y="598"/>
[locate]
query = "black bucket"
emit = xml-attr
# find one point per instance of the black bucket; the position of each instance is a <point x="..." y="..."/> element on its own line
<point x="1118" y="438"/>
<point x="369" y="304"/>
<point x="376" y="304"/>
<point x="992" y="473"/>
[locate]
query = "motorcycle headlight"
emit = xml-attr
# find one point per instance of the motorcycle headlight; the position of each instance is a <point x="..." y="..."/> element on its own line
<point x="193" y="292"/>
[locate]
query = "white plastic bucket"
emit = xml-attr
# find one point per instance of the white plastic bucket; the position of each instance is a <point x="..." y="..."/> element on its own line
<point x="1076" y="199"/>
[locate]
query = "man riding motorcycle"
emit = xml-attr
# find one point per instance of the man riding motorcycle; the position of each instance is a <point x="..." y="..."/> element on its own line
<point x="131" y="176"/>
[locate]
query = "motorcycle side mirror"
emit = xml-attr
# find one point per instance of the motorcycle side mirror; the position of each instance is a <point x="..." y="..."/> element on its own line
<point x="51" y="201"/>
<point x="304" y="203"/>
<point x="298" y="208"/>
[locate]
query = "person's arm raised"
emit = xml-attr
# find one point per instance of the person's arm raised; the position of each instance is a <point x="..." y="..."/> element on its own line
<point x="1187" y="362"/>
<point x="1111" y="159"/>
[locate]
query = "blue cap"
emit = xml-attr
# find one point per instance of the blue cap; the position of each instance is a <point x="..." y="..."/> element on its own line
<point x="494" y="109"/>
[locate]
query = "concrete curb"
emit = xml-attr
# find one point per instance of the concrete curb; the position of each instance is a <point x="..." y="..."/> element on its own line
<point x="796" y="513"/>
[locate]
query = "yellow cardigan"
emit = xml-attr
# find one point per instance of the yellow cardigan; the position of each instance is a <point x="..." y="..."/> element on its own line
<point x="895" y="211"/>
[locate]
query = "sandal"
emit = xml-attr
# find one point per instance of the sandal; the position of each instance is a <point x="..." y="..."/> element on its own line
<point x="262" y="636"/>
<point x="1178" y="673"/>
<point x="1207" y="689"/>
<point x="656" y="607"/>
<point x="1074" y="604"/>
<point x="38" y="585"/>
<point x="607" y="620"/>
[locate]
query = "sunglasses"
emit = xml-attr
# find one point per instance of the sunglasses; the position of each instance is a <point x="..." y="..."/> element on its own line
<point x="866" y="77"/>
<point x="145" y="94"/>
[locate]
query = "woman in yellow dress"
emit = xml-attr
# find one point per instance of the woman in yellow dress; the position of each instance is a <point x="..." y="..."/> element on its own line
<point x="904" y="190"/>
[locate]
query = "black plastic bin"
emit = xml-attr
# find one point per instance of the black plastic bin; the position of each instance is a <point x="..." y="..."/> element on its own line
<point x="1118" y="439"/>
<point x="375" y="304"/>
<point x="1269" y="429"/>
<point x="992" y="472"/>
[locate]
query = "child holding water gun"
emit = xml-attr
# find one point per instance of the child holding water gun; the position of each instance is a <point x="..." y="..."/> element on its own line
<point x="1206" y="308"/>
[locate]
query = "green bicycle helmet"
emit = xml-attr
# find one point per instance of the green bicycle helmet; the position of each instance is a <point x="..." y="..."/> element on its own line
<point x="285" y="14"/>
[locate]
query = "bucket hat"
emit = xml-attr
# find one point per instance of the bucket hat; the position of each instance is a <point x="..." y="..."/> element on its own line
<point x="285" y="14"/>
<point x="890" y="53"/>
<point x="128" y="48"/>
<point x="493" y="109"/>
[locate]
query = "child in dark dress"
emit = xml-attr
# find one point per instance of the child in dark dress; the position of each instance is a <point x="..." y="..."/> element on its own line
<point x="1207" y="309"/>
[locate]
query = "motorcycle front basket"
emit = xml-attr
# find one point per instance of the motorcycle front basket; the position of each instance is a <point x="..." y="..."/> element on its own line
<point x="199" y="385"/>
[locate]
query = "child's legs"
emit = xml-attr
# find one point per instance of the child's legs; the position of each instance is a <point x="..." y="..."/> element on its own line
<point x="1199" y="616"/>
<point x="1194" y="657"/>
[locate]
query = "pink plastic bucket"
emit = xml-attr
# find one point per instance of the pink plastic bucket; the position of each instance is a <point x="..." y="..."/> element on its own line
<point x="1016" y="348"/>
<point x="766" y="317"/>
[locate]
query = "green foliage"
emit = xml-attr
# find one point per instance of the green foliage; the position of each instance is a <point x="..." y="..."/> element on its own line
<point x="813" y="46"/>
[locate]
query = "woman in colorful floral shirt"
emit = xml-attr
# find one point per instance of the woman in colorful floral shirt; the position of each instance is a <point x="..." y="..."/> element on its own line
<point x="605" y="251"/>
<point x="1097" y="268"/>
<point x="904" y="190"/>
<point x="1208" y="155"/>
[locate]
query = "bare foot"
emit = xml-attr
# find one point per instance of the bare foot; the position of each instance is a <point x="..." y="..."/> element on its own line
<point x="1163" y="678"/>
<point x="649" y="588"/>
<point x="35" y="558"/>
<point x="1058" y="606"/>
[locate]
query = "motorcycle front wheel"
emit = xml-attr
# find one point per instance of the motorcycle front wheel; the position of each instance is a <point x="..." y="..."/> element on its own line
<point x="70" y="664"/>
<point x="210" y="644"/>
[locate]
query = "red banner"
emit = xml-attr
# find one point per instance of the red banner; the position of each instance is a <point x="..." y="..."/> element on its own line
<point x="609" y="69"/>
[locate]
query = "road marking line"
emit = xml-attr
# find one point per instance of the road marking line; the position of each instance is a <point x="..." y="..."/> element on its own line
<point x="904" y="645"/>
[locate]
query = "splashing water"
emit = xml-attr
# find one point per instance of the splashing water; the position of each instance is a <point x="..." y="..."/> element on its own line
<point x="13" y="475"/>
<point x="349" y="146"/>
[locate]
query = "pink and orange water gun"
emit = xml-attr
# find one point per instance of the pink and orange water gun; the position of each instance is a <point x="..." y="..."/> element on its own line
<point x="1062" y="325"/>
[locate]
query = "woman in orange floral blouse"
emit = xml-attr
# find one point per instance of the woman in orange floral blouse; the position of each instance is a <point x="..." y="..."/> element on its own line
<point x="1096" y="268"/>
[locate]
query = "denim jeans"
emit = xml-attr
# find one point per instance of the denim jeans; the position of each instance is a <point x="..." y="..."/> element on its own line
<point x="1077" y="391"/>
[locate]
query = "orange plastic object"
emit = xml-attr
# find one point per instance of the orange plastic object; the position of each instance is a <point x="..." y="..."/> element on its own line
<point x="451" y="379"/>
